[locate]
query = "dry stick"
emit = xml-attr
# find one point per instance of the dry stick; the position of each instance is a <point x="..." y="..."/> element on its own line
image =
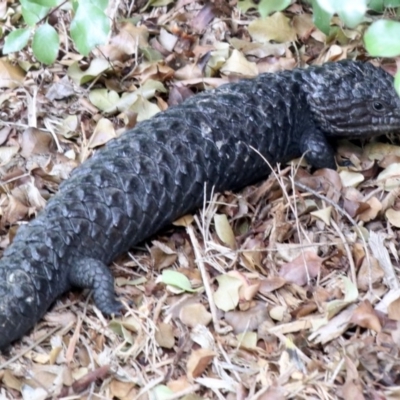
<point x="337" y="208"/>
<point x="348" y="252"/>
<point x="206" y="280"/>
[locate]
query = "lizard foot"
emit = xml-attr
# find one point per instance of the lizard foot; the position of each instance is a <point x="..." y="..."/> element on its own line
<point x="93" y="274"/>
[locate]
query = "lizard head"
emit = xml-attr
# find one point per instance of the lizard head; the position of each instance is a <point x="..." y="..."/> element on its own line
<point x="353" y="99"/>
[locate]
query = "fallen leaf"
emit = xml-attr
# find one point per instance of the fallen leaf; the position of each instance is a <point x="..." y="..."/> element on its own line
<point x="80" y="77"/>
<point x="198" y="361"/>
<point x="35" y="141"/>
<point x="224" y="230"/>
<point x="351" y="179"/>
<point x="194" y="314"/>
<point x="249" y="320"/>
<point x="276" y="28"/>
<point x="393" y="216"/>
<point x="227" y="295"/>
<point x="352" y="388"/>
<point x="365" y="316"/>
<point x="237" y="64"/>
<point x="389" y="178"/>
<point x="164" y="335"/>
<point x="103" y="133"/>
<point x="11" y="76"/>
<point x="323" y="214"/>
<point x="304" y="267"/>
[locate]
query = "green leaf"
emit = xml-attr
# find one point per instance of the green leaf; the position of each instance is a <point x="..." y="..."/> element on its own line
<point x="89" y="28"/>
<point x="46" y="3"/>
<point x="397" y="83"/>
<point x="161" y="392"/>
<point x="352" y="16"/>
<point x="16" y="40"/>
<point x="392" y="3"/>
<point x="351" y="12"/>
<point x="46" y="44"/>
<point x="33" y="13"/>
<point x="382" y="39"/>
<point x="177" y="280"/>
<point x="322" y="18"/>
<point x="264" y="7"/>
<point x="151" y="54"/>
<point x="102" y="4"/>
<point x="376" y="5"/>
<point x="267" y="7"/>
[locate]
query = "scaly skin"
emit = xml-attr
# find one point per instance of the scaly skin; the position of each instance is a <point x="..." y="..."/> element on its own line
<point x="156" y="172"/>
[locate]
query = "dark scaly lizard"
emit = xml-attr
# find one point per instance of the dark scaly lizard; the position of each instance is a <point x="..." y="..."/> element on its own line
<point x="156" y="172"/>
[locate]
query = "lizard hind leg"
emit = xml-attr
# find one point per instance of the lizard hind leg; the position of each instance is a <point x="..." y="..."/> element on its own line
<point x="89" y="273"/>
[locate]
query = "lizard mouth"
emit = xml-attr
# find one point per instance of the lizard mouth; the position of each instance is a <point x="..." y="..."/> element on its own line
<point x="357" y="131"/>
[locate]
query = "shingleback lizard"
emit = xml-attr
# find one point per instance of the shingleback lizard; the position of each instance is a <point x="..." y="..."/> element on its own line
<point x="155" y="173"/>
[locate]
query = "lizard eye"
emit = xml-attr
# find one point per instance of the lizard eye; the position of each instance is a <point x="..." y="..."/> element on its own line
<point x="378" y="106"/>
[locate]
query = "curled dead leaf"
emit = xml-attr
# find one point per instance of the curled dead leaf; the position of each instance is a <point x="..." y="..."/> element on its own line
<point x="365" y="316"/>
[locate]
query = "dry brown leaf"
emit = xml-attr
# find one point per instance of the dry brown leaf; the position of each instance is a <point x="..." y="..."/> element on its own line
<point x="179" y="384"/>
<point x="259" y="50"/>
<point x="156" y="71"/>
<point x="227" y="295"/>
<point x="276" y="28"/>
<point x="352" y="389"/>
<point x="162" y="255"/>
<point x="370" y="273"/>
<point x="7" y="153"/>
<point x="394" y="310"/>
<point x="237" y="64"/>
<point x="130" y="38"/>
<point x="270" y="284"/>
<point x="35" y="141"/>
<point x="224" y="230"/>
<point x="15" y="210"/>
<point x="194" y="314"/>
<point x="11" y="76"/>
<point x="10" y="381"/>
<point x="304" y="267"/>
<point x="375" y="207"/>
<point x="185" y="221"/>
<point x="303" y="25"/>
<point x="122" y="390"/>
<point x="165" y="335"/>
<point x="351" y="179"/>
<point x="365" y="316"/>
<point x="203" y="17"/>
<point x="198" y="361"/>
<point x="393" y="216"/>
<point x="250" y="319"/>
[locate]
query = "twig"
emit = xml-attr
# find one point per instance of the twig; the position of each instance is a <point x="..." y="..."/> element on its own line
<point x="206" y="281"/>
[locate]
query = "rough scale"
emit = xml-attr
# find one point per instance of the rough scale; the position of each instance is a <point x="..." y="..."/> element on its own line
<point x="156" y="172"/>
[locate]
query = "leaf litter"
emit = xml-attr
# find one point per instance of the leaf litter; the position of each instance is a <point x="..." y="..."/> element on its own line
<point x="284" y="290"/>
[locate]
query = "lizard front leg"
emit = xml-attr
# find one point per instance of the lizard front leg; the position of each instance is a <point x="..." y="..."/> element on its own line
<point x="316" y="149"/>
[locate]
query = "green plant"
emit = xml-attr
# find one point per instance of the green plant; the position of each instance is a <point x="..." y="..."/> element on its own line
<point x="381" y="38"/>
<point x="89" y="27"/>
